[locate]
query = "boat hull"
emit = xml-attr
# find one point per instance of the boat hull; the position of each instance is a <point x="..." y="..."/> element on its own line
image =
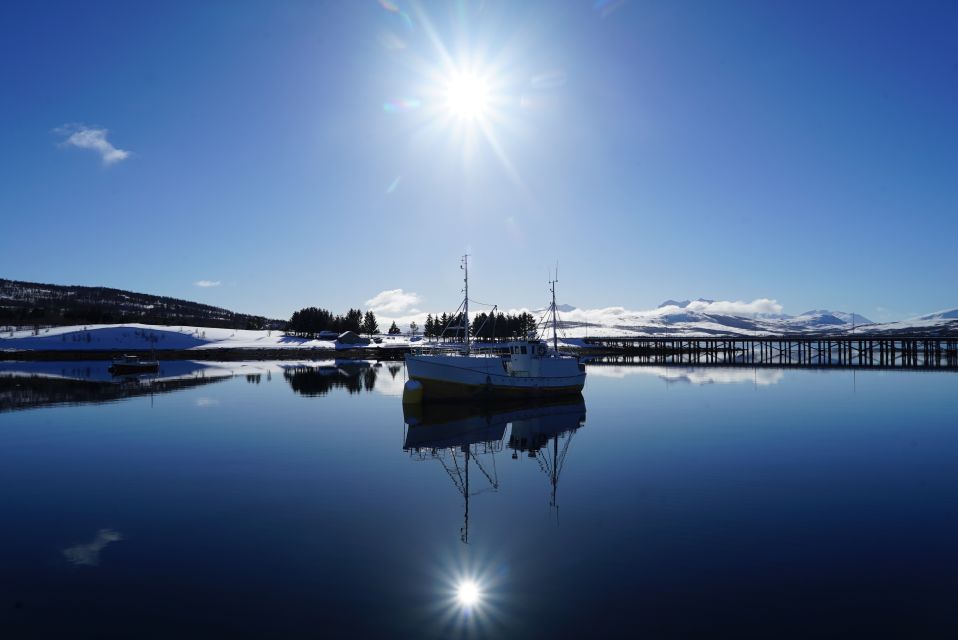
<point x="461" y="377"/>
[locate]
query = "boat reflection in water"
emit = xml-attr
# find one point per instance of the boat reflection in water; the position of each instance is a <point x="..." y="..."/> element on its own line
<point x="472" y="434"/>
<point x="539" y="436"/>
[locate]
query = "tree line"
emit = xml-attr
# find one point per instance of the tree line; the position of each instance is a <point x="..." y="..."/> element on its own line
<point x="483" y="326"/>
<point x="106" y="314"/>
<point x="308" y="322"/>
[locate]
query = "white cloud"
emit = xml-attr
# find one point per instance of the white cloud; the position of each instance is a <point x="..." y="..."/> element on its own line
<point x="393" y="301"/>
<point x="207" y="283"/>
<point x="615" y="320"/>
<point x="737" y="308"/>
<point x="84" y="137"/>
<point x="624" y="318"/>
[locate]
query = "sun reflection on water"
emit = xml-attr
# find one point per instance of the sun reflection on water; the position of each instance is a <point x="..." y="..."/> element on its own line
<point x="470" y="596"/>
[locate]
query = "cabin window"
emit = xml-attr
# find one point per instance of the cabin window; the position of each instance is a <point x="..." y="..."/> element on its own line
<point x="524" y="351"/>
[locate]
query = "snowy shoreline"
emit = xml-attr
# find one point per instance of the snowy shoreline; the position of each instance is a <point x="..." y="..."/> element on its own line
<point x="183" y="342"/>
<point x="114" y="338"/>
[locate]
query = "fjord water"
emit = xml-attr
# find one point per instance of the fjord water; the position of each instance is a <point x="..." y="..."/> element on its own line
<point x="295" y="501"/>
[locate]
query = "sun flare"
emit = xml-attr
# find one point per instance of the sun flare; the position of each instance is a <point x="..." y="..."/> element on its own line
<point x="467" y="96"/>
<point x="467" y="594"/>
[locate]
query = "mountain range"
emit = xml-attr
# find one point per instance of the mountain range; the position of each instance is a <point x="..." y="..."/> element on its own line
<point x="687" y="317"/>
<point x="31" y="303"/>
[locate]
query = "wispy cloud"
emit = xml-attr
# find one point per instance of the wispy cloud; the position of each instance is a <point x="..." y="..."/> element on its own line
<point x="207" y="283"/>
<point x="93" y="138"/>
<point x="736" y="308"/>
<point x="393" y="301"/>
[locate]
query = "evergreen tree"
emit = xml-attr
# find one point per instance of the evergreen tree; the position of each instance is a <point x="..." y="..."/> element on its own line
<point x="480" y="327"/>
<point x="441" y="327"/>
<point x="309" y="321"/>
<point x="527" y="323"/>
<point x="353" y="321"/>
<point x="370" y="326"/>
<point x="393" y="329"/>
<point x="430" y="328"/>
<point x="500" y="327"/>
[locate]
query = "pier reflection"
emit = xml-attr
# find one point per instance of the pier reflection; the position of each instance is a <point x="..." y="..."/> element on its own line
<point x="462" y="435"/>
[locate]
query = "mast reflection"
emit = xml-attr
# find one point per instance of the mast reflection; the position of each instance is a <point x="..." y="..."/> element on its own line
<point x="456" y="435"/>
<point x="464" y="435"/>
<point x="538" y="437"/>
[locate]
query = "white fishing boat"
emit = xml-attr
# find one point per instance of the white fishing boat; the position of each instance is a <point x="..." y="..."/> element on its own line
<point x="524" y="368"/>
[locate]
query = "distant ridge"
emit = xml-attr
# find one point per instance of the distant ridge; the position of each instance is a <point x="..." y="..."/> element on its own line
<point x="949" y="314"/>
<point x="841" y="316"/>
<point x="707" y="317"/>
<point x="28" y="303"/>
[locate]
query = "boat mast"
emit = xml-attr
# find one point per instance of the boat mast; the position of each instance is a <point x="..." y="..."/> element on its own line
<point x="555" y="339"/>
<point x="465" y="266"/>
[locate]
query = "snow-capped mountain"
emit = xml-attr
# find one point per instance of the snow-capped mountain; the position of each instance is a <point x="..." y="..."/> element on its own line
<point x="823" y="316"/>
<point x="707" y="317"/>
<point x="949" y="314"/>
<point x="940" y="323"/>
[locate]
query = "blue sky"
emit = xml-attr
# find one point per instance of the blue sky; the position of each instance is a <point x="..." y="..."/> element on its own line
<point x="304" y="153"/>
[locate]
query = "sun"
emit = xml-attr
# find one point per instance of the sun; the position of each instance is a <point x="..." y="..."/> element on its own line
<point x="467" y="96"/>
<point x="467" y="593"/>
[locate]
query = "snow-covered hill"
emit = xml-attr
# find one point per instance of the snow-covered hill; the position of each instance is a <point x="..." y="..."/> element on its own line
<point x="28" y="303"/>
<point x="707" y="317"/>
<point x="949" y="314"/>
<point x="140" y="337"/>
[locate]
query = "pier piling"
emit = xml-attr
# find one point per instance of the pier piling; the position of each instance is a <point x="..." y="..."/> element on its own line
<point x="884" y="351"/>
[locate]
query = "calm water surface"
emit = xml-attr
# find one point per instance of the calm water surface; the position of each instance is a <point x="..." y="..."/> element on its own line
<point x="283" y="500"/>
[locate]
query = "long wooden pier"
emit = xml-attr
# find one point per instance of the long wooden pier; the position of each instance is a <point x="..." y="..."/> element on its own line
<point x="886" y="351"/>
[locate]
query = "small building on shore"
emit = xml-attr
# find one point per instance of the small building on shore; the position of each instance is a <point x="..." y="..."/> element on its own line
<point x="351" y="337"/>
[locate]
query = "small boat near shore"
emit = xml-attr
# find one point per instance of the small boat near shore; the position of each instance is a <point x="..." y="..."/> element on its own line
<point x="521" y="368"/>
<point x="133" y="364"/>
